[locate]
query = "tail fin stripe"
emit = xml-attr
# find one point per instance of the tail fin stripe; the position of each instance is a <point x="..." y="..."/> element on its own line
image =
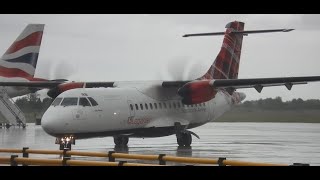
<point x="231" y="51"/>
<point x="30" y="58"/>
<point x="220" y="71"/>
<point x="21" y="52"/>
<point x="229" y="38"/>
<point x="28" y="68"/>
<point x="13" y="72"/>
<point x="33" y="39"/>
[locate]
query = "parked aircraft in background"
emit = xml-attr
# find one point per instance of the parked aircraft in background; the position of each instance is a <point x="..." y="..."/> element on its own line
<point x="154" y="108"/>
<point x="18" y="64"/>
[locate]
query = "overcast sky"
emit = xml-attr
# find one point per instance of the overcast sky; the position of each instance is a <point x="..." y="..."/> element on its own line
<point x="151" y="47"/>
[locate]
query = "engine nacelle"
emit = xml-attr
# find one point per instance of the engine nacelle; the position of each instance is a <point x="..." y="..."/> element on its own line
<point x="53" y="93"/>
<point x="196" y="92"/>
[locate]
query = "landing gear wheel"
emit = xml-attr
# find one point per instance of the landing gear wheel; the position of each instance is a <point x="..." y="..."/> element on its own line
<point x="184" y="139"/>
<point x="8" y="126"/>
<point x="121" y="140"/>
<point x="63" y="146"/>
<point x="23" y="126"/>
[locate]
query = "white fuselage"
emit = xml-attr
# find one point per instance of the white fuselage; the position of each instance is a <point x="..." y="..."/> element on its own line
<point x="136" y="110"/>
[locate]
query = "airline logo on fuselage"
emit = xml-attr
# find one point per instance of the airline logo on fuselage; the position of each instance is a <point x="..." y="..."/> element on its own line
<point x="138" y="121"/>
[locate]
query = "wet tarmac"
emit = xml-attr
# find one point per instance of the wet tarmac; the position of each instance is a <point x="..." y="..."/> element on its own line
<point x="284" y="143"/>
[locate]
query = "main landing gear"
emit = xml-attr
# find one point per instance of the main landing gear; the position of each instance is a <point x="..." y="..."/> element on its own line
<point x="65" y="142"/>
<point x="121" y="140"/>
<point x="184" y="137"/>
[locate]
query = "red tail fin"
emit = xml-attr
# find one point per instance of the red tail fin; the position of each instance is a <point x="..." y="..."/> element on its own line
<point x="226" y="65"/>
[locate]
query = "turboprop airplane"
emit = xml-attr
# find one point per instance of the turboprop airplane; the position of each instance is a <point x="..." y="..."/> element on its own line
<point x="18" y="64"/>
<point x="154" y="108"/>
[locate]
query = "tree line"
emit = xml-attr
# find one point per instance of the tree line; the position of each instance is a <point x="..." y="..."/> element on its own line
<point x="31" y="103"/>
<point x="278" y="104"/>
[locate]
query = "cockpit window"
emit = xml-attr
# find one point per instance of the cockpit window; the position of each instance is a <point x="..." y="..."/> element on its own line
<point x="69" y="101"/>
<point x="56" y="102"/>
<point x="84" y="102"/>
<point x="93" y="102"/>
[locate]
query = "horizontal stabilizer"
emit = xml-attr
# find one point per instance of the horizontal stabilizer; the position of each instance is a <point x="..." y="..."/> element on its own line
<point x="240" y="32"/>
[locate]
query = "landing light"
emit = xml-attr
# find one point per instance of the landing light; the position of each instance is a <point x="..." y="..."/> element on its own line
<point x="66" y="139"/>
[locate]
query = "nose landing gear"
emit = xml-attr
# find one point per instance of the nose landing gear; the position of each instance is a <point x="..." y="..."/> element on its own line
<point x="121" y="140"/>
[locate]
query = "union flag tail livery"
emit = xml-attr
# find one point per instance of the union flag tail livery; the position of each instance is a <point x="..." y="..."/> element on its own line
<point x="20" y="60"/>
<point x="226" y="65"/>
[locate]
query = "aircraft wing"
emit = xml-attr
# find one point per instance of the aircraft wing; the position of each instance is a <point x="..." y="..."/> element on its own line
<point x="36" y="84"/>
<point x="53" y="84"/>
<point x="56" y="87"/>
<point x="258" y="83"/>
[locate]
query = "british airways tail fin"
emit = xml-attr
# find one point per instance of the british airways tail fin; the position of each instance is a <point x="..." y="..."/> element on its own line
<point x="20" y="60"/>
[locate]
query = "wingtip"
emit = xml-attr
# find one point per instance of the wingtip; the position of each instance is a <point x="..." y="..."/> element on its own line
<point x="288" y="30"/>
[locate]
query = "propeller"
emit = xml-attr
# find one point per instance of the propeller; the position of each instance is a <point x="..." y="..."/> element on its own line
<point x="183" y="68"/>
<point x="60" y="71"/>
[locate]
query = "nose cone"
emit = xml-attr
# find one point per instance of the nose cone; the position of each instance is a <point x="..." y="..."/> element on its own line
<point x="48" y="124"/>
<point x="53" y="121"/>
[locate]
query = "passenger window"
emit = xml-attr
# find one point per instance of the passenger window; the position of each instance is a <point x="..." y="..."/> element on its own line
<point x="169" y="105"/>
<point x="174" y="105"/>
<point x="155" y="106"/>
<point x="56" y="102"/>
<point x="141" y="106"/>
<point x="150" y="105"/>
<point x="69" y="101"/>
<point x="93" y="102"/>
<point x="84" y="102"/>
<point x="131" y="107"/>
<point x="137" y="108"/>
<point x="165" y="105"/>
<point x="178" y="103"/>
<point x="160" y="105"/>
<point x="146" y="105"/>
